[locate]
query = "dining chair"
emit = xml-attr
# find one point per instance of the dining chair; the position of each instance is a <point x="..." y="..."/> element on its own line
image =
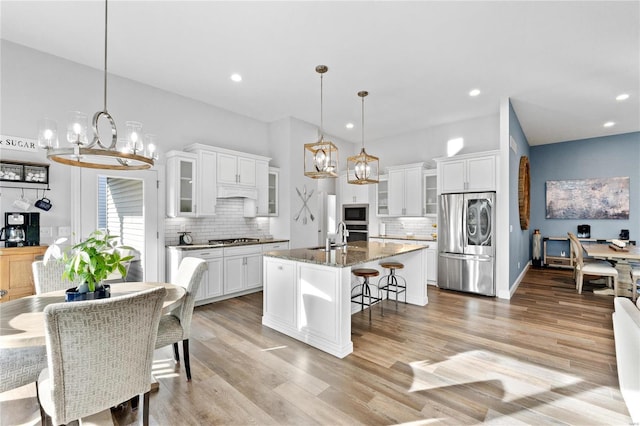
<point x="20" y="366"/>
<point x="99" y="353"/>
<point x="48" y="276"/>
<point x="592" y="267"/>
<point x="635" y="281"/>
<point x="176" y="325"/>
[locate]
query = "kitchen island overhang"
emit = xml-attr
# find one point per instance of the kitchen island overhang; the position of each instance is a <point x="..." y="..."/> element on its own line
<point x="307" y="292"/>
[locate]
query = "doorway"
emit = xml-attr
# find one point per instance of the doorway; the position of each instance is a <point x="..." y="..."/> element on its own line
<point x="125" y="203"/>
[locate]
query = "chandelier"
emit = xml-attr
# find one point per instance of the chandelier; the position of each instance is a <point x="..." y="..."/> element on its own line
<point x="363" y="168"/>
<point x="124" y="154"/>
<point x="321" y="157"/>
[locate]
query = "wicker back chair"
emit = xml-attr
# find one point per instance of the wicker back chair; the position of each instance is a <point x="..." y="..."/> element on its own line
<point x="100" y="353"/>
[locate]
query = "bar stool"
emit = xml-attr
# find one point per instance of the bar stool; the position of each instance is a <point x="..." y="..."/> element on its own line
<point x="394" y="283"/>
<point x="365" y="290"/>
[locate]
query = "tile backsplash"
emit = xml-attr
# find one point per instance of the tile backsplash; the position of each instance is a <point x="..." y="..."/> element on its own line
<point x="400" y="226"/>
<point x="228" y="223"/>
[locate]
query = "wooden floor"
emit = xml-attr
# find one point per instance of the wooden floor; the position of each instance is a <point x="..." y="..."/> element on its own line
<point x="544" y="357"/>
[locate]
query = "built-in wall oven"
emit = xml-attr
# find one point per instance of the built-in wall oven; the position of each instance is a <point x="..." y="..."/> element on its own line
<point x="356" y="218"/>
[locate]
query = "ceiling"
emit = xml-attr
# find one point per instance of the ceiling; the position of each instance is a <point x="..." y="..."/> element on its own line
<point x="561" y="63"/>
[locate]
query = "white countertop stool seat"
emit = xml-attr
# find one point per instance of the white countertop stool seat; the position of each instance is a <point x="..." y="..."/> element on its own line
<point x="359" y="292"/>
<point x="393" y="282"/>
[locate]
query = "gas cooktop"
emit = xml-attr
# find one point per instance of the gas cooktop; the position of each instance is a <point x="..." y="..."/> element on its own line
<point x="228" y="241"/>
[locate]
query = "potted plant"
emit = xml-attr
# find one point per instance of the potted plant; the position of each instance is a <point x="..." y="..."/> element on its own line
<point x="91" y="262"/>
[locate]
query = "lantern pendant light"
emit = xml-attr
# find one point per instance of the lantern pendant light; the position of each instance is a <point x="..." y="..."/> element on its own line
<point x="363" y="168"/>
<point x="321" y="157"/>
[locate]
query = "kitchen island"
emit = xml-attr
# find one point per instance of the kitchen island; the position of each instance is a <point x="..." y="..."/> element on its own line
<point x="307" y="292"/>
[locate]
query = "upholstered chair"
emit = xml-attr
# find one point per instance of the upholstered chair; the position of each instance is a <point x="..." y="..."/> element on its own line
<point x="20" y="366"/>
<point x="176" y="326"/>
<point x="48" y="277"/>
<point x="99" y="353"/>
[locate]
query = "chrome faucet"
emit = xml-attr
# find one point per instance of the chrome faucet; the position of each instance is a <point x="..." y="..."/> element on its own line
<point x="343" y="232"/>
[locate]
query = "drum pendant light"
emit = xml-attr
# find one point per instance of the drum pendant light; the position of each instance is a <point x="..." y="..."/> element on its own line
<point x="362" y="169"/>
<point x="321" y="157"/>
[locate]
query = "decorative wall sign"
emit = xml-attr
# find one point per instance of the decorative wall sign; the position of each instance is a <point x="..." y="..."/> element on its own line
<point x="523" y="192"/>
<point x="17" y="143"/>
<point x="603" y="198"/>
<point x="304" y="196"/>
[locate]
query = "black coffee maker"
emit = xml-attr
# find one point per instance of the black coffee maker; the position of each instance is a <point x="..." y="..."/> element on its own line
<point x="21" y="229"/>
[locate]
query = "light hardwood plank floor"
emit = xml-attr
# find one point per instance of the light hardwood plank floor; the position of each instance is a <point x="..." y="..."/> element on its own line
<point x="544" y="357"/>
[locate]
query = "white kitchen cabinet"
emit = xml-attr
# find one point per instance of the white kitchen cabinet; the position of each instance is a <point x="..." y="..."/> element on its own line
<point x="206" y="189"/>
<point x="430" y="198"/>
<point x="432" y="263"/>
<point x="272" y="188"/>
<point x="382" y="197"/>
<point x="351" y="193"/>
<point x="468" y="173"/>
<point x="211" y="284"/>
<point x="242" y="268"/>
<point x="405" y="190"/>
<point x="262" y="183"/>
<point x="236" y="170"/>
<point x="280" y="295"/>
<point x="181" y="184"/>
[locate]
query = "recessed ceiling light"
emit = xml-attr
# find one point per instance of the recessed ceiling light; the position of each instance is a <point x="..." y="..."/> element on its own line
<point x="349" y="126"/>
<point x="474" y="92"/>
<point x="622" y="97"/>
<point x="609" y="124"/>
<point x="236" y="77"/>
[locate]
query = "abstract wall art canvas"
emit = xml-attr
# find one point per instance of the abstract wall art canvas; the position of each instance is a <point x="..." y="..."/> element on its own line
<point x="602" y="198"/>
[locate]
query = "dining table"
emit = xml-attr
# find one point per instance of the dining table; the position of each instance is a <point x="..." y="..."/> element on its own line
<point x="22" y="320"/>
<point x="623" y="259"/>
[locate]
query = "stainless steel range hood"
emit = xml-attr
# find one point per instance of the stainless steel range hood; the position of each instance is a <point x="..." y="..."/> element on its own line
<point x="230" y="191"/>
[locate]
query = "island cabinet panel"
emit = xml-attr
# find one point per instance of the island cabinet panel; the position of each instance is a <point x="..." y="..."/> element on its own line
<point x="280" y="291"/>
<point x="320" y="294"/>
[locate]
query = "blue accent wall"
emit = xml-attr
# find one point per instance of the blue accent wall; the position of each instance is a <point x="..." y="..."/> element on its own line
<point x="519" y="246"/>
<point x="610" y="156"/>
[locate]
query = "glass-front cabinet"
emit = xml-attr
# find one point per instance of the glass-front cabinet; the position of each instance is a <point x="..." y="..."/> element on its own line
<point x="382" y="196"/>
<point x="273" y="190"/>
<point x="430" y="189"/>
<point x="181" y="172"/>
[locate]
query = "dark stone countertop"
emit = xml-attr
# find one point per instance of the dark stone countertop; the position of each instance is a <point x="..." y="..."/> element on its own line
<point x="203" y="246"/>
<point x="355" y="253"/>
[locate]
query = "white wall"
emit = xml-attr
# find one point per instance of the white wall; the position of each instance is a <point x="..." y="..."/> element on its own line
<point x="480" y="134"/>
<point x="35" y="84"/>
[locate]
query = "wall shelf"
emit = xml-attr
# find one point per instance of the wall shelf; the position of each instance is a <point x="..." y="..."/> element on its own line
<point x="16" y="172"/>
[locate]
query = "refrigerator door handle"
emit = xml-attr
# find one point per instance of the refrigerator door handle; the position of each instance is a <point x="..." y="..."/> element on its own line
<point x="478" y="257"/>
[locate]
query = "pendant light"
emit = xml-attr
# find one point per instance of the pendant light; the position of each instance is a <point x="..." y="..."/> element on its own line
<point x="130" y="154"/>
<point x="321" y="157"/>
<point x="363" y="168"/>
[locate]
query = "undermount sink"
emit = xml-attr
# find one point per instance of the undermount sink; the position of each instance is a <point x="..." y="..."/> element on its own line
<point x="322" y="248"/>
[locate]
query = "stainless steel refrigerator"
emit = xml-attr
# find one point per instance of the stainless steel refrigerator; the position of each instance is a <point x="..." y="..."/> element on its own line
<point x="466" y="243"/>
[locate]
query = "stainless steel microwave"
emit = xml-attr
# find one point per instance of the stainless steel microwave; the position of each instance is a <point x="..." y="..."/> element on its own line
<point x="355" y="213"/>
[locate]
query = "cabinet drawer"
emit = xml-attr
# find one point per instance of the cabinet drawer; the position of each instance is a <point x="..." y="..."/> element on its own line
<point x="275" y="246"/>
<point x="242" y="250"/>
<point x="203" y="254"/>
